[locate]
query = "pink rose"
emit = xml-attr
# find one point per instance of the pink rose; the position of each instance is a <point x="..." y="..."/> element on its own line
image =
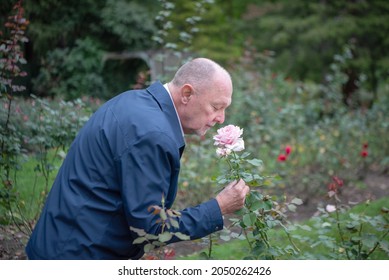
<point x="228" y="135"/>
<point x="222" y="152"/>
<point x="330" y="208"/>
<point x="237" y="146"/>
<point x="228" y="139"/>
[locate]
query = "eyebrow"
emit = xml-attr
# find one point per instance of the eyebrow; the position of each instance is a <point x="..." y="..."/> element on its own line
<point x="222" y="103"/>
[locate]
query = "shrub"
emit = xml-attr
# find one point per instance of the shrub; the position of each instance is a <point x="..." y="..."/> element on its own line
<point x="71" y="72"/>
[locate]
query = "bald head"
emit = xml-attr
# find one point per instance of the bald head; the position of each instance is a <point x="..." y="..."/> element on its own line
<point x="201" y="73"/>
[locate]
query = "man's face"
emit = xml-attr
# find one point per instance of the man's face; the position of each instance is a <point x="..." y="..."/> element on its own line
<point x="206" y="108"/>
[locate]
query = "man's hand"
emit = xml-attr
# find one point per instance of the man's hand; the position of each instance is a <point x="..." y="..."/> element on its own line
<point x="232" y="197"/>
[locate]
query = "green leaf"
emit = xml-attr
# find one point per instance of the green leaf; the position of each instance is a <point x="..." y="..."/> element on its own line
<point x="247" y="177"/>
<point x="256" y="195"/>
<point x="268" y="205"/>
<point x="305" y="227"/>
<point x="225" y="237"/>
<point x="182" y="236"/>
<point x="245" y="154"/>
<point x="163" y="214"/>
<point x="369" y="240"/>
<point x="151" y="237"/>
<point x="138" y="231"/>
<point x="222" y="181"/>
<point x="355" y="239"/>
<point x="174" y="223"/>
<point x="255" y="162"/>
<point x="22" y="60"/>
<point x="292" y="207"/>
<point x="385" y="210"/>
<point x="354" y="216"/>
<point x="158" y="244"/>
<point x="164" y="237"/>
<point x="139" y="240"/>
<point x="297" y="201"/>
<point x="148" y="248"/>
<point x="255" y="205"/>
<point x="249" y="219"/>
<point x="384" y="245"/>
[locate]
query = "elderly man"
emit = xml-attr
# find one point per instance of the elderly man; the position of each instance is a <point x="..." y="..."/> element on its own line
<point x="124" y="159"/>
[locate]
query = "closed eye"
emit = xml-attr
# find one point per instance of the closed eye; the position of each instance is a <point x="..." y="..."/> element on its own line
<point x="217" y="107"/>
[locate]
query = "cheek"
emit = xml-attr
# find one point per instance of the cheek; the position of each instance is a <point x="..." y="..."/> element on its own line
<point x="208" y="116"/>
<point x="202" y="114"/>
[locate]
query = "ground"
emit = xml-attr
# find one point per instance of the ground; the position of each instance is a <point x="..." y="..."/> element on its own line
<point x="12" y="241"/>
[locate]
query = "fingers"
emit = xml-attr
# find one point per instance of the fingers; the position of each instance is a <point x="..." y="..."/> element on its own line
<point x="233" y="196"/>
<point x="241" y="185"/>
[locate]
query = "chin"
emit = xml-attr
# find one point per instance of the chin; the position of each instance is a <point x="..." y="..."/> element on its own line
<point x="199" y="132"/>
<point x="203" y="131"/>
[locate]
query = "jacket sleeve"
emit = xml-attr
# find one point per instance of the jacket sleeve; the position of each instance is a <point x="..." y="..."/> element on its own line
<point x="149" y="170"/>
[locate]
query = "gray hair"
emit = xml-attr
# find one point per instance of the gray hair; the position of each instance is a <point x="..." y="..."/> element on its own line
<point x="198" y="72"/>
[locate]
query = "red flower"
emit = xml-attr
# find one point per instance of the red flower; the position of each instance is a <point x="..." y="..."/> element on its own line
<point x="364" y="153"/>
<point x="282" y="157"/>
<point x="335" y="185"/>
<point x="288" y="149"/>
<point x="338" y="181"/>
<point x="169" y="253"/>
<point x="332" y="187"/>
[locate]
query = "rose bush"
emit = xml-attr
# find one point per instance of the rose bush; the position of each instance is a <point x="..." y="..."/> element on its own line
<point x="261" y="212"/>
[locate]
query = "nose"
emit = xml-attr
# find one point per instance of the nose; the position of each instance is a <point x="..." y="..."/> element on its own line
<point x="220" y="117"/>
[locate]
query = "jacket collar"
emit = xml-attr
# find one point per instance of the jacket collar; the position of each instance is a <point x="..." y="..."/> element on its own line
<point x="160" y="94"/>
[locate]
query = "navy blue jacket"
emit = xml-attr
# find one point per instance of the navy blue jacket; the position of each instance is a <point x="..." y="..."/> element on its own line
<point x="121" y="162"/>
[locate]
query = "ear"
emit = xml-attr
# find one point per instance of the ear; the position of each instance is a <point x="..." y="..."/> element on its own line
<point x="186" y="93"/>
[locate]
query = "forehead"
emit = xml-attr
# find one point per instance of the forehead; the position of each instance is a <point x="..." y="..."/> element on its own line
<point x="224" y="101"/>
<point x="221" y="96"/>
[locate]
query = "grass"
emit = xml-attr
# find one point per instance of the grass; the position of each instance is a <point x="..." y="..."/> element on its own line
<point x="304" y="239"/>
<point x="31" y="183"/>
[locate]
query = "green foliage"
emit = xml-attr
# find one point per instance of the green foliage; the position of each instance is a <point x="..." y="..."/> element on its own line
<point x="338" y="233"/>
<point x="41" y="134"/>
<point x="57" y="25"/>
<point x="130" y="21"/>
<point x="179" y="25"/>
<point x="309" y="233"/>
<point x="69" y="40"/>
<point x="298" y="30"/>
<point x="72" y="72"/>
<point x="295" y="31"/>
